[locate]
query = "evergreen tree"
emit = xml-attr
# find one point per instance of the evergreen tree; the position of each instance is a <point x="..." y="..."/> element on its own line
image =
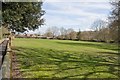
<point x="22" y="16"/>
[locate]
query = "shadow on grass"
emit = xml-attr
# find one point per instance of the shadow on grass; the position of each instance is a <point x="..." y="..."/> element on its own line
<point x="95" y="45"/>
<point x="64" y="64"/>
<point x="110" y="53"/>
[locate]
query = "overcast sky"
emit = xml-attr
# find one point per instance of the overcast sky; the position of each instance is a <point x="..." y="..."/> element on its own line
<point x="76" y="14"/>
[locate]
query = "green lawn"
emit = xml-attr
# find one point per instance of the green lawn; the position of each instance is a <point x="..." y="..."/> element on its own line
<point x="42" y="58"/>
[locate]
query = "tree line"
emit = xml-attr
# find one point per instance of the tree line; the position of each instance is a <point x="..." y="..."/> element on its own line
<point x="24" y="16"/>
<point x="100" y="32"/>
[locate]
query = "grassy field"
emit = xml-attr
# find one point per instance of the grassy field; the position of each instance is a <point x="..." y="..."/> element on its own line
<point x="42" y="58"/>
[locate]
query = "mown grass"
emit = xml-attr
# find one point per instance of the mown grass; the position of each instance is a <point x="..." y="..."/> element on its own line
<point x="41" y="58"/>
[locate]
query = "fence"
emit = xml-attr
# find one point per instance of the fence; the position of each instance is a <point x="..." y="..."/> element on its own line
<point x="4" y="60"/>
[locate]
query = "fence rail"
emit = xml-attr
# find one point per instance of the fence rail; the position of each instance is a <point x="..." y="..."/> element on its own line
<point x="3" y="51"/>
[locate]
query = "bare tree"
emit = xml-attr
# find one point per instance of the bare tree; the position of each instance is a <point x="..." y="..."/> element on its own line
<point x="52" y="32"/>
<point x="115" y="21"/>
<point x="48" y="33"/>
<point x="70" y="34"/>
<point x="98" y="27"/>
<point x="55" y="31"/>
<point x="62" y="32"/>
